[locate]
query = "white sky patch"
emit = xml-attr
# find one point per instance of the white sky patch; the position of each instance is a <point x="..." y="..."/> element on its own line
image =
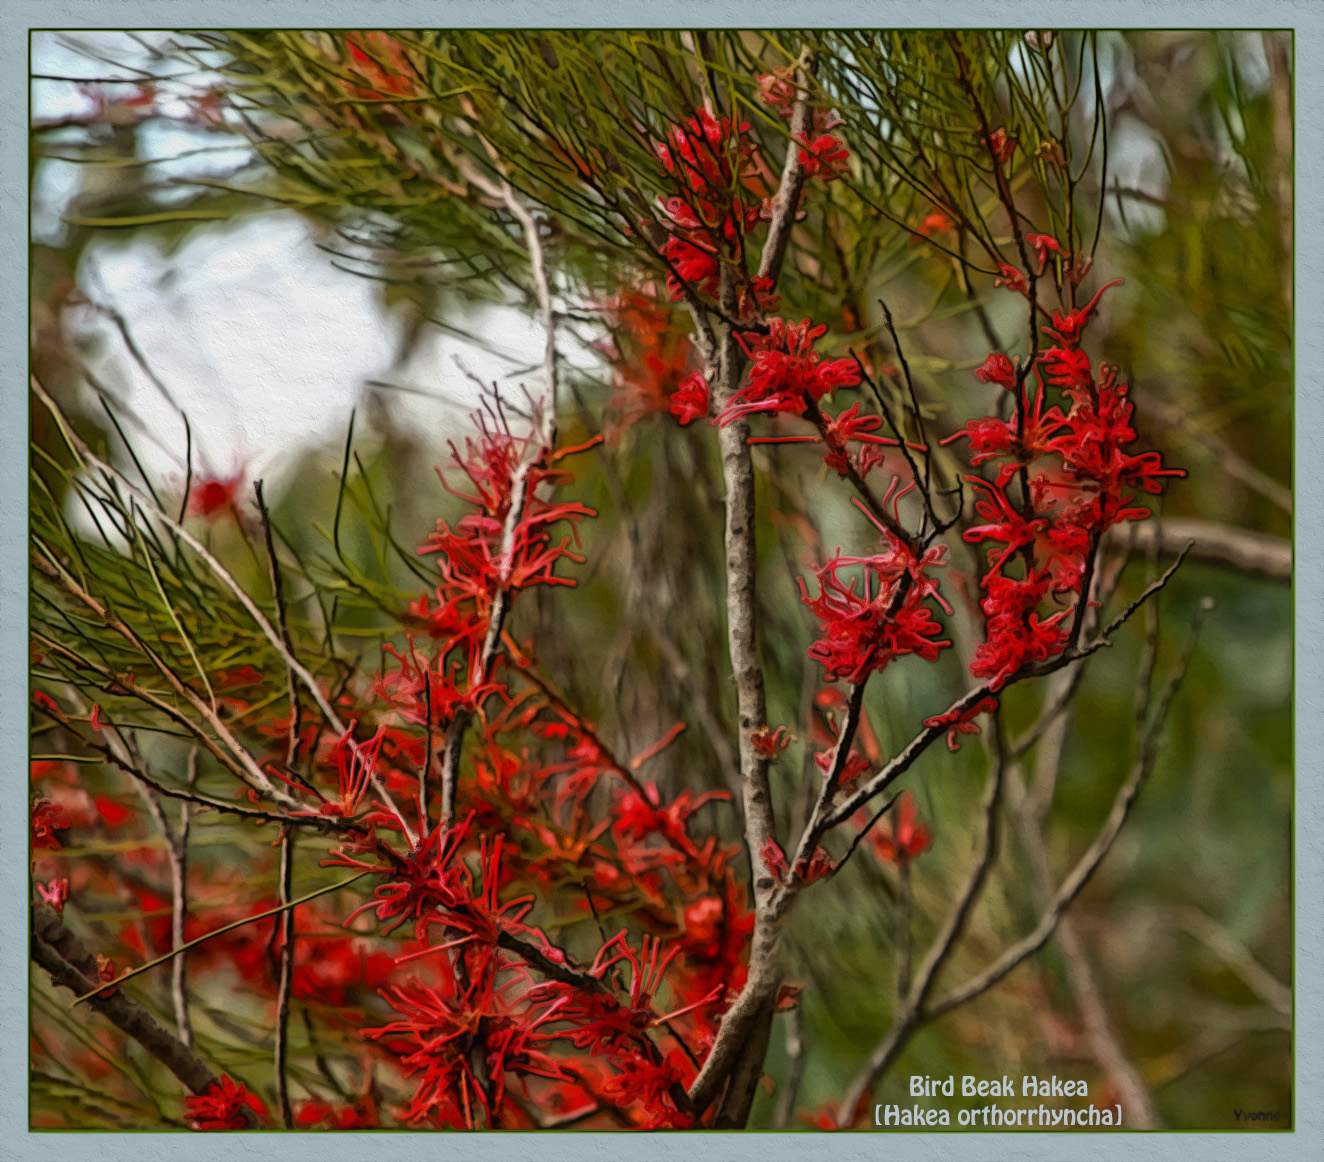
<point x="256" y="335"/>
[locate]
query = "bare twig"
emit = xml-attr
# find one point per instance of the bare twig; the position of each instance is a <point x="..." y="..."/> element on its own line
<point x="1103" y="1039"/>
<point x="131" y="973"/>
<point x="282" y="622"/>
<point x="285" y="928"/>
<point x="177" y="854"/>
<point x="1238" y="957"/>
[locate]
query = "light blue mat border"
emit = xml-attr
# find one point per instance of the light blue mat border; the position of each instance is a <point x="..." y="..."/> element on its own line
<point x="1306" y="17"/>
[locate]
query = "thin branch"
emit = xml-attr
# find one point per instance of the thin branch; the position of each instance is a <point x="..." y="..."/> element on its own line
<point x="1089" y="860"/>
<point x="1031" y="806"/>
<point x="1238" y="957"/>
<point x="125" y="976"/>
<point x="911" y="1011"/>
<point x="282" y="622"/>
<point x="1212" y="542"/>
<point x="787" y="199"/>
<point x="285" y="930"/>
<point x="817" y="824"/>
<point x="176" y="854"/>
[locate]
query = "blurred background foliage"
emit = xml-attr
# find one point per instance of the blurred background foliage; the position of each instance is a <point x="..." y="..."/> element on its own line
<point x="1179" y="180"/>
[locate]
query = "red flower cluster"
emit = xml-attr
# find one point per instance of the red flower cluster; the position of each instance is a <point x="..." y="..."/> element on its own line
<point x="475" y="560"/>
<point x="227" y="1105"/>
<point x="961" y="722"/>
<point x="380" y="60"/>
<point x="47" y="819"/>
<point x="1079" y="468"/>
<point x="786" y="372"/>
<point x="708" y="162"/>
<point x="648" y="355"/>
<point x="690" y="401"/>
<point x="863" y="631"/>
<point x="824" y="157"/>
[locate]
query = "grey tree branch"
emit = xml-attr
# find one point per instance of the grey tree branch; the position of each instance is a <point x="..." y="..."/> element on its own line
<point x="1257" y="554"/>
<point x="749" y="1017"/>
<point x="1238" y="957"/>
<point x="1105" y="1044"/>
<point x="787" y="199"/>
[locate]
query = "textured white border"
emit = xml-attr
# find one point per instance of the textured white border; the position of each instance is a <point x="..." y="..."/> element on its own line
<point x="1306" y="17"/>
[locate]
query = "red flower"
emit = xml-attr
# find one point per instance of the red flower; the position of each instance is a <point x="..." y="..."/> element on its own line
<point x="698" y="153"/>
<point x="934" y="223"/>
<point x="850" y="425"/>
<point x="807" y="871"/>
<point x="211" y="495"/>
<point x="1000" y="145"/>
<point x="991" y="438"/>
<point x="650" y="1083"/>
<point x="1011" y="278"/>
<point x="1066" y="329"/>
<point x="648" y="355"/>
<point x="904" y="840"/>
<point x="459" y="1039"/>
<point x="314" y="1114"/>
<point x="776" y="89"/>
<point x="47" y="819"/>
<point x="864" y="631"/>
<point x="960" y="722"/>
<point x="774" y="859"/>
<point x="226" y="1105"/>
<point x="770" y="743"/>
<point x="1042" y="244"/>
<point x="997" y="368"/>
<point x="856" y="765"/>
<point x="55" y="893"/>
<point x="1015" y="635"/>
<point x="690" y="401"/>
<point x="824" y="157"/>
<point x="380" y="60"/>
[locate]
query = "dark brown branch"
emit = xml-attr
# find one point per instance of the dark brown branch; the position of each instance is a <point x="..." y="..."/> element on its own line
<point x="282" y="623"/>
<point x="71" y="966"/>
<point x="285" y="931"/>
